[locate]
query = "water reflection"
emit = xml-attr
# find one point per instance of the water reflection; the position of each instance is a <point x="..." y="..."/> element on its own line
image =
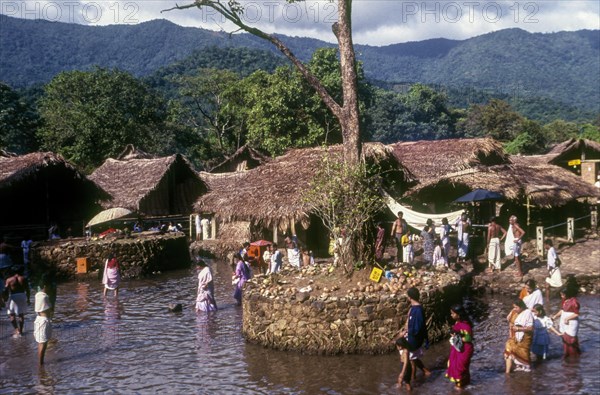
<point x="135" y="344"/>
<point x="46" y="382"/>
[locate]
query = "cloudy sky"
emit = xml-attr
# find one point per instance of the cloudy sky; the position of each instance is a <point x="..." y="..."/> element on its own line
<point x="375" y="22"/>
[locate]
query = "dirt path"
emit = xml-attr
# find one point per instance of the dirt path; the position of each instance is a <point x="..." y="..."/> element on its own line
<point x="581" y="259"/>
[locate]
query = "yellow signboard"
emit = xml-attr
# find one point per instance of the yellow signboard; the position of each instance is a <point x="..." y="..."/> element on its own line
<point x="375" y="274"/>
<point x="574" y="162"/>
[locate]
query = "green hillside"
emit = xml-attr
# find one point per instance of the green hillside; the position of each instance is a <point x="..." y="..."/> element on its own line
<point x="559" y="70"/>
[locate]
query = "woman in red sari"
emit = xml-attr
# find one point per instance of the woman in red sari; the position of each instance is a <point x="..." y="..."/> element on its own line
<point x="569" y="321"/>
<point x="461" y="350"/>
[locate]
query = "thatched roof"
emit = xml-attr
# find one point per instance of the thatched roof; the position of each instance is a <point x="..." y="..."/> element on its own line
<point x="525" y="177"/>
<point x="245" y="158"/>
<point x="16" y="168"/>
<point x="41" y="187"/>
<point x="272" y="193"/>
<point x="547" y="185"/>
<point x="429" y="160"/>
<point x="574" y="149"/>
<point x="159" y="186"/>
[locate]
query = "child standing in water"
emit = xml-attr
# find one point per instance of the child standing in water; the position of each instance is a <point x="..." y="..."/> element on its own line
<point x="405" y="376"/>
<point x="541" y="340"/>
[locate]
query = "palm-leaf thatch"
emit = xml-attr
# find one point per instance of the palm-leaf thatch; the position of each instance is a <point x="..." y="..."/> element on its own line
<point x="160" y="186"/>
<point x="271" y="194"/>
<point x="547" y="185"/>
<point x="525" y="178"/>
<point x="574" y="149"/>
<point x="42" y="186"/>
<point x="16" y="168"/>
<point x="429" y="160"/>
<point x="245" y="158"/>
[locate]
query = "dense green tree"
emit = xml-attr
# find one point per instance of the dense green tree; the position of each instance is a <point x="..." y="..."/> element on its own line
<point x="89" y="116"/>
<point x="212" y="102"/>
<point x="531" y="140"/>
<point x="283" y="110"/>
<point x="346" y="110"/>
<point x="495" y="119"/>
<point x="559" y="130"/>
<point x="18" y="122"/>
<point x="419" y="114"/>
<point x="278" y="112"/>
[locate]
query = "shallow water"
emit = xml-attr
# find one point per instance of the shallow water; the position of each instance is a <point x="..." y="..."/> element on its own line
<point x="134" y="345"/>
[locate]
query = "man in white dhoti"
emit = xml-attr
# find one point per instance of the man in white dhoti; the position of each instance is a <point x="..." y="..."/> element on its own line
<point x="205" y="223"/>
<point x="198" y="227"/>
<point x="463" y="225"/>
<point x="517" y="233"/>
<point x="493" y="244"/>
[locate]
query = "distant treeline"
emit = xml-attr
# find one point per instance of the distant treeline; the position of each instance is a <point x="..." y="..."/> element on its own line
<point x="211" y="103"/>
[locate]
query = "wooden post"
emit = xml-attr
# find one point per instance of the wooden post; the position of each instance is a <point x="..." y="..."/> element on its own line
<point x="192" y="227"/>
<point x="528" y="212"/>
<point x="292" y="227"/>
<point x="571" y="230"/>
<point x="539" y="239"/>
<point x="275" y="229"/>
<point x="213" y="230"/>
<point x="594" y="220"/>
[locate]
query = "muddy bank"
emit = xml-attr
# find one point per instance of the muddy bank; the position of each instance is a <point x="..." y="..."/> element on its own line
<point x="580" y="260"/>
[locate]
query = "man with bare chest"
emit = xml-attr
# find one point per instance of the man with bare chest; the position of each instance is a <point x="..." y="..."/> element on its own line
<point x="18" y="297"/>
<point x="399" y="229"/>
<point x="518" y="234"/>
<point x="493" y="244"/>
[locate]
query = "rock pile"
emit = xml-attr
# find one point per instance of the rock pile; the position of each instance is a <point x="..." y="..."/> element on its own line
<point x="317" y="310"/>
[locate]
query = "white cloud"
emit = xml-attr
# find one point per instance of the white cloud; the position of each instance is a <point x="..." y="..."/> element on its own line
<point x="375" y="22"/>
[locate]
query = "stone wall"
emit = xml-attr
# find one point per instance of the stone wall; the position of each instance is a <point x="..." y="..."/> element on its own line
<point x="138" y="255"/>
<point x="362" y="324"/>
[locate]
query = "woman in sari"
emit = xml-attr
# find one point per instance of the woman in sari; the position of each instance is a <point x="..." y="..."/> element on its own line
<point x="205" y="299"/>
<point x="461" y="350"/>
<point x="517" y="347"/>
<point x="240" y="276"/>
<point x="112" y="275"/>
<point x="569" y="321"/>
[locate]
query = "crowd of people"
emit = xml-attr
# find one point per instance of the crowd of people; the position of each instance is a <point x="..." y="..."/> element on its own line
<point x="436" y="245"/>
<point x="529" y="334"/>
<point x="529" y="324"/>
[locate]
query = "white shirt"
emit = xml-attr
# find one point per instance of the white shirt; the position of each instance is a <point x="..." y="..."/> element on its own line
<point x="533" y="298"/>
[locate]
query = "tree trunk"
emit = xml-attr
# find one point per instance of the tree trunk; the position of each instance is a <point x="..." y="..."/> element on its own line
<point x="350" y="121"/>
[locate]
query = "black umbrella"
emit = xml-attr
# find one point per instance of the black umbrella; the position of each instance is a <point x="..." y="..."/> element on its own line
<point x="480" y="195"/>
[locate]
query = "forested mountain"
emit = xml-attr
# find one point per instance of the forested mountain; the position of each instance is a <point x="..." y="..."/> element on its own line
<point x="556" y="70"/>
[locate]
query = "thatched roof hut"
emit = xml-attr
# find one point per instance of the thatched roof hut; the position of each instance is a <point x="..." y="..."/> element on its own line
<point x="42" y="187"/>
<point x="158" y="186"/>
<point x="271" y="194"/>
<point x="245" y="158"/>
<point x="573" y="148"/>
<point x="547" y="185"/>
<point x="525" y="179"/>
<point x="429" y="160"/>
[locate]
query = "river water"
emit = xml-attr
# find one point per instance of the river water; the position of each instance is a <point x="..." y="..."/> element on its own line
<point x="134" y="345"/>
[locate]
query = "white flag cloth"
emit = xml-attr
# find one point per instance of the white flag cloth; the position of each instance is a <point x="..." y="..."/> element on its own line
<point x="419" y="220"/>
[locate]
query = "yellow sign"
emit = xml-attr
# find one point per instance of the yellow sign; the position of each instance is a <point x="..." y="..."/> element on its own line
<point x="375" y="274"/>
<point x="574" y="162"/>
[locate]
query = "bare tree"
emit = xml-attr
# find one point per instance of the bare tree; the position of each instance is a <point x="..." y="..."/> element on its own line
<point x="346" y="112"/>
